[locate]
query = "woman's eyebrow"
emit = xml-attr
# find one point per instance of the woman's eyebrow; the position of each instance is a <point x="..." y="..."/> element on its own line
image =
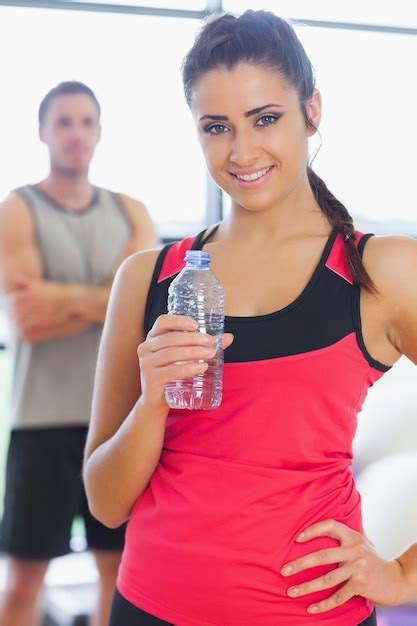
<point x="259" y="109"/>
<point x="224" y="118"/>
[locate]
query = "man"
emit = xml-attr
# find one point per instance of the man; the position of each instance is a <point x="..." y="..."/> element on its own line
<point x="61" y="242"/>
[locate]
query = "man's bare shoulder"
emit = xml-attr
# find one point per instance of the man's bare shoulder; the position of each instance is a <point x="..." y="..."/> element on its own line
<point x="130" y="201"/>
<point x="14" y="201"/>
<point x="144" y="232"/>
<point x="135" y="208"/>
<point x="19" y="253"/>
<point x="15" y="216"/>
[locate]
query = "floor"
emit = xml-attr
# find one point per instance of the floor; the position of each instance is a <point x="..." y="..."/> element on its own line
<point x="71" y="593"/>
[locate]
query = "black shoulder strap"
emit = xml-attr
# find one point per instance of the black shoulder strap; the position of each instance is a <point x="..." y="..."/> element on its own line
<point x="152" y="287"/>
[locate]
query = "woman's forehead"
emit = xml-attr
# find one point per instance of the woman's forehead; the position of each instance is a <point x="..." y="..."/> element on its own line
<point x="243" y="87"/>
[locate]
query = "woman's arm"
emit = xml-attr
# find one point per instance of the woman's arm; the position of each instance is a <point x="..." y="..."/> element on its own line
<point x="399" y="284"/>
<point x="127" y="428"/>
<point x="392" y="264"/>
<point x="124" y="440"/>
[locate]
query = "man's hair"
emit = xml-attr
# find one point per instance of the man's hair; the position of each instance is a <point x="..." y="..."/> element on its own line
<point x="70" y="87"/>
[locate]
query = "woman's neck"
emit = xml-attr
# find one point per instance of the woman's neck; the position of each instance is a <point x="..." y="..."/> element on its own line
<point x="297" y="214"/>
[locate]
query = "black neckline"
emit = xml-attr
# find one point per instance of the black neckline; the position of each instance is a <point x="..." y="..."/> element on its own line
<point x="200" y="241"/>
<point x="61" y="207"/>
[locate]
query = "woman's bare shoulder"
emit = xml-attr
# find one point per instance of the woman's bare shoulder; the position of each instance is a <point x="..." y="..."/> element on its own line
<point x="138" y="268"/>
<point x="129" y="292"/>
<point x="391" y="260"/>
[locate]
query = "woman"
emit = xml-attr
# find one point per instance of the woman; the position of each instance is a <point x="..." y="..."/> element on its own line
<point x="217" y="500"/>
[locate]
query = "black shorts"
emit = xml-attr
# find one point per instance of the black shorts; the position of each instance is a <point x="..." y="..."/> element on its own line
<point x="44" y="492"/>
<point x="123" y="612"/>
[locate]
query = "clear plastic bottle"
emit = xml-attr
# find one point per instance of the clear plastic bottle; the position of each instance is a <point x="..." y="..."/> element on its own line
<point x="196" y="292"/>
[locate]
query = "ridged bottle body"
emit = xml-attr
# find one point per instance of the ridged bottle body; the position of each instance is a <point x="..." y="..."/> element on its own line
<point x="197" y="293"/>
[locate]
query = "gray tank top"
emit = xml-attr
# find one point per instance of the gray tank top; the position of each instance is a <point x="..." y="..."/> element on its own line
<point x="53" y="380"/>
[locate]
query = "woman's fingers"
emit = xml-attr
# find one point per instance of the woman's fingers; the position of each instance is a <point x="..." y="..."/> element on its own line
<point x="165" y="323"/>
<point x="173" y="350"/>
<point x="179" y="330"/>
<point x="179" y="338"/>
<point x="228" y="338"/>
<point x="177" y="371"/>
<point x="175" y="355"/>
<point x="155" y="378"/>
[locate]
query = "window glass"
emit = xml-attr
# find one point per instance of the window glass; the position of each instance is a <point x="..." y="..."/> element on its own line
<point x="192" y="5"/>
<point x="400" y="13"/>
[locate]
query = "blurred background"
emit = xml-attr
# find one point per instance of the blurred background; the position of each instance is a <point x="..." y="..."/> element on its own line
<point x="364" y="53"/>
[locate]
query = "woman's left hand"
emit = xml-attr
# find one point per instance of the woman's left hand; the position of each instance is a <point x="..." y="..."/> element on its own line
<point x="365" y="573"/>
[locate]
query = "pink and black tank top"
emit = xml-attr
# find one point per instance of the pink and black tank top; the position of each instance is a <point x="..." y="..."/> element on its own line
<point x="235" y="486"/>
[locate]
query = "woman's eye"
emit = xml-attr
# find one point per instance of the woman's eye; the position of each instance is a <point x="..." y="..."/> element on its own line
<point x="215" y="129"/>
<point x="267" y="120"/>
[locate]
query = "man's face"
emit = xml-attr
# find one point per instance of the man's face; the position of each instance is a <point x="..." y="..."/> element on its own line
<point x="71" y="130"/>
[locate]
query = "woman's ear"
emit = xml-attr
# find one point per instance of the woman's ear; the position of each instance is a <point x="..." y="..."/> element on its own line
<point x="313" y="108"/>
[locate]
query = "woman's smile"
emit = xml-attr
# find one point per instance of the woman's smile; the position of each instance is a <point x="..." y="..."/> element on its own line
<point x="252" y="179"/>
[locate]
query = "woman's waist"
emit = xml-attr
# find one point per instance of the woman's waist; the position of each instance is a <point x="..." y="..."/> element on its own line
<point x="245" y="482"/>
<point x="241" y="507"/>
<point x="184" y="555"/>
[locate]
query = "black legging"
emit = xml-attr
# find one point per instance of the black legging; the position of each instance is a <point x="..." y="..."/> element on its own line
<point x="125" y="614"/>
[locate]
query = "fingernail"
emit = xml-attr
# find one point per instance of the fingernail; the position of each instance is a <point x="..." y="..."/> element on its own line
<point x="287" y="570"/>
<point x="301" y="536"/>
<point x="312" y="609"/>
<point x="294" y="591"/>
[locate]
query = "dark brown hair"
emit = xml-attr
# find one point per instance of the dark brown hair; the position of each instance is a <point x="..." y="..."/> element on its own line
<point x="262" y="38"/>
<point x="70" y="87"/>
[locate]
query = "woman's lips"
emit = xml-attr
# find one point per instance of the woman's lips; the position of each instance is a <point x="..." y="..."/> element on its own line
<point x="256" y="177"/>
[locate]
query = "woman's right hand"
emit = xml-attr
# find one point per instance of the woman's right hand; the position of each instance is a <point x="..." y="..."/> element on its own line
<point x="173" y="350"/>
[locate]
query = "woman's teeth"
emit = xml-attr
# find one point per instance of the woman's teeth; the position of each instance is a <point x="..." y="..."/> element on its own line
<point x="254" y="176"/>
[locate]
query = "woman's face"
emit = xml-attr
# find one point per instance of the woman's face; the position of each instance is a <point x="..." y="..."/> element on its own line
<point x="253" y="133"/>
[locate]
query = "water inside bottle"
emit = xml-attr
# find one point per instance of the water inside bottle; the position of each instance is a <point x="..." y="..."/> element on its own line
<point x="203" y="391"/>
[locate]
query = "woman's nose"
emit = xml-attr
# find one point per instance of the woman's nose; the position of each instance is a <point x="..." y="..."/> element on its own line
<point x="244" y="151"/>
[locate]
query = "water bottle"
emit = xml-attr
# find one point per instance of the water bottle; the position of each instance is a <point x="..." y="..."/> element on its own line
<point x="197" y="293"/>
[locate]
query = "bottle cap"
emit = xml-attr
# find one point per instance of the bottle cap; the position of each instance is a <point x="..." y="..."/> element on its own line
<point x="197" y="257"/>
